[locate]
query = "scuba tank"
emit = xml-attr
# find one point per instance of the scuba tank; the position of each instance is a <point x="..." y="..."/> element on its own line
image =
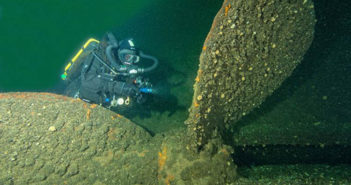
<point x="73" y="68"/>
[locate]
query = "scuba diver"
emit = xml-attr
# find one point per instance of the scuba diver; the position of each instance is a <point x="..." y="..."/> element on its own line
<point x="107" y="73"/>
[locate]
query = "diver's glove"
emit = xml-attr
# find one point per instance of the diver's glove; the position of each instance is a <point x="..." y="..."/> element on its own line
<point x="125" y="89"/>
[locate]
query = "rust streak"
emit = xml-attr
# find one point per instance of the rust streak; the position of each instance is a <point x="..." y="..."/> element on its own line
<point x="88" y="114"/>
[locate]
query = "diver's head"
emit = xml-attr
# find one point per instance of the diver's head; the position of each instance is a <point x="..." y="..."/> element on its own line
<point x="127" y="53"/>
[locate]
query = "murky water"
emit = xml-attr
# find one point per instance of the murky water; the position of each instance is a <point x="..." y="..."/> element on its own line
<point x="37" y="40"/>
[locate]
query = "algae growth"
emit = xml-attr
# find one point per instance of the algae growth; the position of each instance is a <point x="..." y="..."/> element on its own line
<point x="44" y="142"/>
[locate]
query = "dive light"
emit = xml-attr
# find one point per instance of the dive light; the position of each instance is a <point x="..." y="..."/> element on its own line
<point x="145" y="90"/>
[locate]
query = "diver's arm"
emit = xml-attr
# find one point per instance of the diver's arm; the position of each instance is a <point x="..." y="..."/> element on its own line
<point x="121" y="88"/>
<point x="94" y="79"/>
<point x="93" y="87"/>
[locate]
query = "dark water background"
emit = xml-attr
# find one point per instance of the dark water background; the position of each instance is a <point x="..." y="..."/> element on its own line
<point x="38" y="38"/>
<point x="317" y="95"/>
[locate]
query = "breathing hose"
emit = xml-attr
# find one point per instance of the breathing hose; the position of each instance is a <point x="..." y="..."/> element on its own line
<point x="154" y="65"/>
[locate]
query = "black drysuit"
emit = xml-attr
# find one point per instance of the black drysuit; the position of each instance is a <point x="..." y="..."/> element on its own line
<point x="97" y="82"/>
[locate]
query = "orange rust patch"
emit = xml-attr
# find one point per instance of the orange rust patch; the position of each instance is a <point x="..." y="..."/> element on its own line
<point x="197" y="79"/>
<point x="204" y="48"/>
<point x="31" y="95"/>
<point x="199" y="73"/>
<point x="116" y="116"/>
<point x="162" y="156"/>
<point x="76" y="100"/>
<point x="214" y="23"/>
<point x="88" y="114"/>
<point x="141" y="154"/>
<point x="168" y="179"/>
<point x="196" y="104"/>
<point x="226" y="9"/>
<point x="93" y="106"/>
<point x="224" y="151"/>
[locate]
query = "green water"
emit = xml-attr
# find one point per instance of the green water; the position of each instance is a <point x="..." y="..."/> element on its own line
<point x="173" y="31"/>
<point x="317" y="94"/>
<point x="38" y="38"/>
